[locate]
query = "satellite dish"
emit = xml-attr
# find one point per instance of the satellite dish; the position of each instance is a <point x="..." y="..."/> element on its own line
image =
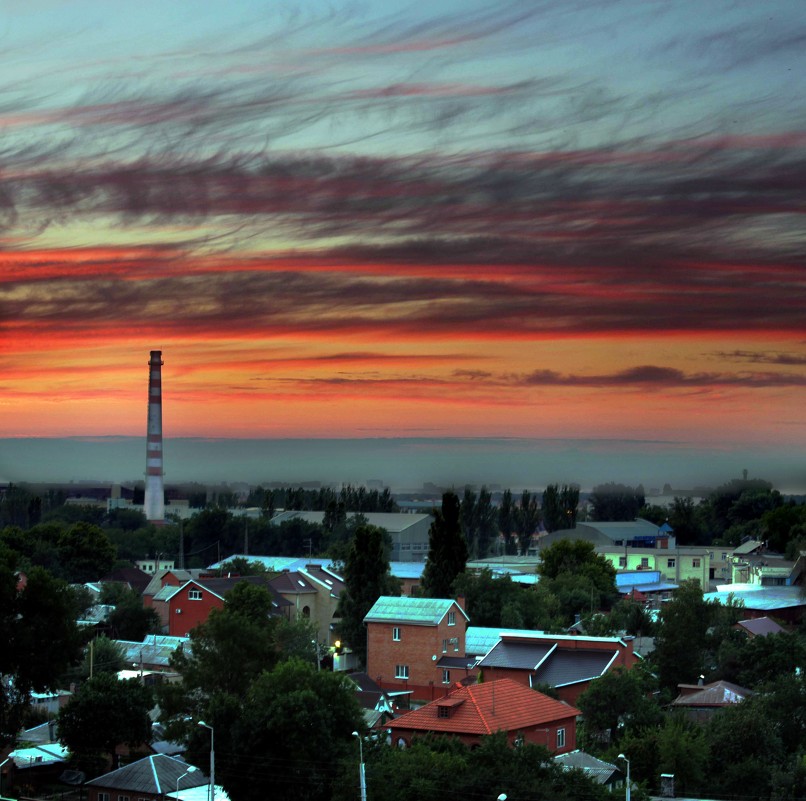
<point x="434" y="658"/>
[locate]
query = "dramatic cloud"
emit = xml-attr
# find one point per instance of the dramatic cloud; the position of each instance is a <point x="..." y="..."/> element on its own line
<point x="584" y="216"/>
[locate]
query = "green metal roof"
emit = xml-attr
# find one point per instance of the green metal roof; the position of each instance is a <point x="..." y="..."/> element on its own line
<point x="405" y="609"/>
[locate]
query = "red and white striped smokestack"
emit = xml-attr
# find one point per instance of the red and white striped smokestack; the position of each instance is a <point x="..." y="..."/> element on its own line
<point x="154" y="504"/>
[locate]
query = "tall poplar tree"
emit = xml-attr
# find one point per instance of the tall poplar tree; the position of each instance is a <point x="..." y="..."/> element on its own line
<point x="447" y="550"/>
<point x="366" y="578"/>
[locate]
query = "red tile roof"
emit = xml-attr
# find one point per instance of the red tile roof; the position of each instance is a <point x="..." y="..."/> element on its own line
<point x="491" y="706"/>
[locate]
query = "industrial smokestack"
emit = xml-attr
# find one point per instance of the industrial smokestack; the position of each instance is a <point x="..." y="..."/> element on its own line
<point x="154" y="504"/>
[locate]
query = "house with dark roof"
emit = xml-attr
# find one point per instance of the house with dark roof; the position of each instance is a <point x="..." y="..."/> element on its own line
<point x="187" y="605"/>
<point x="601" y="772"/>
<point x="474" y="711"/>
<point x="148" y="779"/>
<point x="567" y="663"/>
<point x="759" y="627"/>
<point x="701" y="701"/>
<point x="417" y="645"/>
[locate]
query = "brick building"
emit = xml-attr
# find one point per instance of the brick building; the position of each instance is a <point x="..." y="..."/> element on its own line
<point x="567" y="663"/>
<point x="471" y="712"/>
<point x="417" y="645"/>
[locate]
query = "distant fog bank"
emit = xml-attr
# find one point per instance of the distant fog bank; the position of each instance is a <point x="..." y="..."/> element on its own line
<point x="402" y="464"/>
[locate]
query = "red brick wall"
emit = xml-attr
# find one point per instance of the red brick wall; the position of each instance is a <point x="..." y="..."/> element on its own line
<point x="544" y="735"/>
<point x="193" y="612"/>
<point x="417" y="646"/>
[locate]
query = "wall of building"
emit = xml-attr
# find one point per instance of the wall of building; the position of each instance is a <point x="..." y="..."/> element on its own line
<point x="416" y="648"/>
<point x="186" y="613"/>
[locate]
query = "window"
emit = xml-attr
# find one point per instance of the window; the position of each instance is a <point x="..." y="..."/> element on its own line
<point x="451" y="618"/>
<point x="401" y="671"/>
<point x="103" y="796"/>
<point x="622" y="561"/>
<point x="644" y="561"/>
<point x="695" y="562"/>
<point x="518" y="742"/>
<point x="455" y="641"/>
<point x="194" y="595"/>
<point x="443" y="712"/>
<point x="670" y="563"/>
<point x="396" y="633"/>
<point x="560" y="738"/>
<point x="446" y="676"/>
<point x="444" y="646"/>
<point x="123" y="798"/>
<point x="724" y="556"/>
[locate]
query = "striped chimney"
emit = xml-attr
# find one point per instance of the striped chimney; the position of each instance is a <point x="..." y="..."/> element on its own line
<point x="155" y="492"/>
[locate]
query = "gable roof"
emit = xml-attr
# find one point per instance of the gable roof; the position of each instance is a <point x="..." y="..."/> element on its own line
<point x="415" y="611"/>
<point x="569" y="667"/>
<point x="519" y="655"/>
<point x="502" y="705"/>
<point x="156" y="774"/>
<point x="601" y="772"/>
<point x="718" y="693"/>
<point x="761" y="626"/>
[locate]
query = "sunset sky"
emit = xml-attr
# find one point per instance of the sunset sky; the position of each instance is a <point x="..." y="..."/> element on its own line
<point x="535" y="219"/>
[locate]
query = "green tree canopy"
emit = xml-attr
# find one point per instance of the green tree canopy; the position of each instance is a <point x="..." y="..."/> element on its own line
<point x="680" y="641"/>
<point x="39" y="636"/>
<point x="104" y="713"/>
<point x="447" y="550"/>
<point x="560" y="506"/>
<point x="618" y="701"/>
<point x="302" y="720"/>
<point x="130" y="620"/>
<point x="580" y="579"/>
<point x="614" y="501"/>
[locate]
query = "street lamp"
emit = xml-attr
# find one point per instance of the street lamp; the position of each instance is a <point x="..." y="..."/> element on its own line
<point x="361" y="774"/>
<point x="212" y="758"/>
<point x="191" y="769"/>
<point x="627" y="791"/>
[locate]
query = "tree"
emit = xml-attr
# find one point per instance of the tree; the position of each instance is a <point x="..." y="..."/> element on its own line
<point x="304" y="719"/>
<point x="39" y="636"/>
<point x="104" y="713"/>
<point x="507" y="521"/>
<point x="618" y="698"/>
<point x="527" y="519"/>
<point x="560" y="506"/>
<point x="580" y="578"/>
<point x="132" y="621"/>
<point x="85" y="553"/>
<point x="102" y="655"/>
<point x="447" y="550"/>
<point x="243" y="627"/>
<point x="681" y="638"/>
<point x="486" y="523"/>
<point x="366" y="578"/>
<point x="613" y="501"/>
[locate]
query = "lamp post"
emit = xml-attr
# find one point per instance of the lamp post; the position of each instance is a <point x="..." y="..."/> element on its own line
<point x="212" y="758"/>
<point x="361" y="774"/>
<point x="191" y="769"/>
<point x="627" y="791"/>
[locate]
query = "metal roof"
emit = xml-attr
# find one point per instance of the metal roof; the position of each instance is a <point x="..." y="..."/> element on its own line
<point x="519" y="655"/>
<point x="156" y="774"/>
<point x="570" y="667"/>
<point x="756" y="597"/>
<point x="480" y="639"/>
<point x="600" y="771"/>
<point x="405" y="609"/>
